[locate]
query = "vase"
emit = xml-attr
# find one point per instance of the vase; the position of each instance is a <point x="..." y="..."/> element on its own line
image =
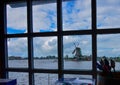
<point x="112" y="78"/>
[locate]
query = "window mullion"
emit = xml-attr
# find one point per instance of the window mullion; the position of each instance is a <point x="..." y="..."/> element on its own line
<point x="3" y="41"/>
<point x="60" y="39"/>
<point x="94" y="40"/>
<point x="30" y="41"/>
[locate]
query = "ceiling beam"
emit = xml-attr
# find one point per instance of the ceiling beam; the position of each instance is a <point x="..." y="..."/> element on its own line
<point x="22" y="3"/>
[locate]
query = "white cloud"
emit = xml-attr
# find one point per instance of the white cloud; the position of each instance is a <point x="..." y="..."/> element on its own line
<point x="113" y="2"/>
<point x="79" y="18"/>
<point x="116" y="50"/>
<point x="44" y="46"/>
<point x="17" y="18"/>
<point x="85" y="42"/>
<point x="108" y="13"/>
<point x="108" y="45"/>
<point x="41" y="18"/>
<point x="47" y="46"/>
<point x="17" y="47"/>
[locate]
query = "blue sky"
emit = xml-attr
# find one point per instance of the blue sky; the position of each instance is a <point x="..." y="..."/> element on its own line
<point x="76" y="16"/>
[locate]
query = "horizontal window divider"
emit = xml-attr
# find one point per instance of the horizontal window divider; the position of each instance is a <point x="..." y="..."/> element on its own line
<point x="32" y="34"/>
<point x="77" y="32"/>
<point x="62" y="33"/>
<point x="44" y="34"/>
<point x="45" y="71"/>
<point x="16" y="35"/>
<point x="17" y="69"/>
<point x="82" y="72"/>
<point x="32" y="70"/>
<point x="107" y="31"/>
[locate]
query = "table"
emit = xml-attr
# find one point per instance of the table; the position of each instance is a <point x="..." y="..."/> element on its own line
<point x="8" y="82"/>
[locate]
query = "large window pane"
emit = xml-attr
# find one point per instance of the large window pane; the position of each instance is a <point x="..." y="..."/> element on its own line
<point x="16" y="18"/>
<point x="76" y="15"/>
<point x="45" y="52"/>
<point x="108" y="46"/>
<point x="108" y="14"/>
<point x="44" y="16"/>
<point x="45" y="79"/>
<point x="77" y="52"/>
<point x="22" y="78"/>
<point x="77" y="76"/>
<point x="17" y="52"/>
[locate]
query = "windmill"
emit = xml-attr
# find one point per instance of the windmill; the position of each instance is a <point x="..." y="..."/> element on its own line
<point x="77" y="51"/>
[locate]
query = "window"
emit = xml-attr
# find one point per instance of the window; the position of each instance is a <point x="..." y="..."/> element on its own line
<point x="76" y="15"/>
<point x="44" y="17"/>
<point x="108" y="14"/>
<point x="45" y="52"/>
<point x="22" y="78"/>
<point x="40" y="38"/>
<point x="45" y="79"/>
<point x="16" y="19"/>
<point x="17" y="52"/>
<point x="108" y="46"/>
<point x="70" y="46"/>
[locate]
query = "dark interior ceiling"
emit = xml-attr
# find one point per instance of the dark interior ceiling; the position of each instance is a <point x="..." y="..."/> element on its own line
<point x="22" y="3"/>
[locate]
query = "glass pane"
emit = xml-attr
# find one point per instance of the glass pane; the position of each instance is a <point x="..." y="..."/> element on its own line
<point x="17" y="52"/>
<point x="45" y="79"/>
<point x="44" y="17"/>
<point x="16" y="18"/>
<point x="22" y="78"/>
<point x="108" y="14"/>
<point x="45" y="52"/>
<point x="76" y="15"/>
<point x="77" y="76"/>
<point x="77" y="52"/>
<point x="108" y="46"/>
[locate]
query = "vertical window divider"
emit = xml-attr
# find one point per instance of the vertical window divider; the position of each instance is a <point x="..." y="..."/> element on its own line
<point x="3" y="41"/>
<point x="30" y="42"/>
<point x="94" y="38"/>
<point x="60" y="39"/>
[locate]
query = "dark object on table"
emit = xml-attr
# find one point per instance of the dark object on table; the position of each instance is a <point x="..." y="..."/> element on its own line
<point x="8" y="82"/>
